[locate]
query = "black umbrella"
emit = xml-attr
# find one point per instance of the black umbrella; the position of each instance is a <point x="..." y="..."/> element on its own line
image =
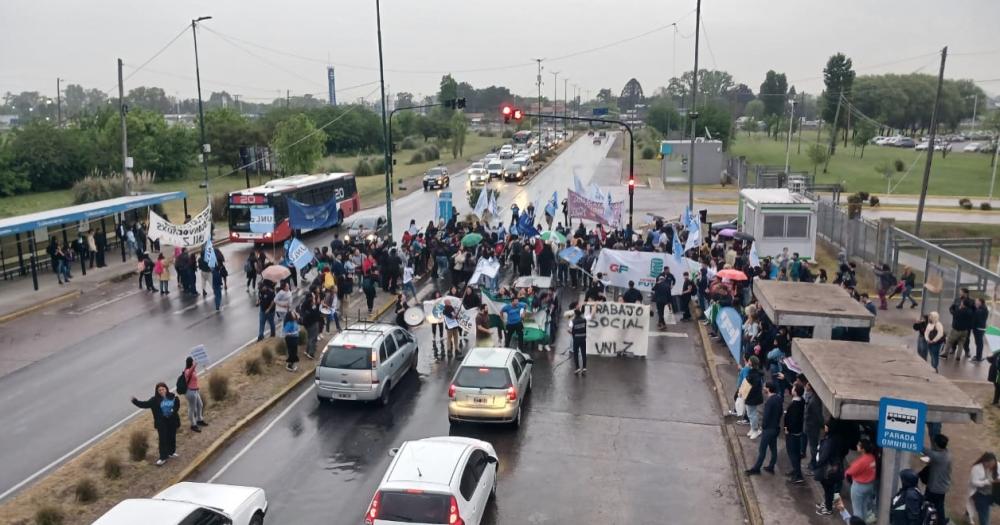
<point x="743" y="236"/>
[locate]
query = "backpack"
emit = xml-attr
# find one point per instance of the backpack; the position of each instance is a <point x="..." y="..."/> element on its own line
<point x="248" y="266"/>
<point x="182" y="384"/>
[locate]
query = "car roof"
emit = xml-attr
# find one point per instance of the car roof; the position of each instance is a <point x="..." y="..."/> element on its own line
<point x="361" y="334"/>
<point x="147" y="512"/>
<point x="436" y="169"/>
<point x="489" y="357"/>
<point x="219" y="496"/>
<point x="430" y="461"/>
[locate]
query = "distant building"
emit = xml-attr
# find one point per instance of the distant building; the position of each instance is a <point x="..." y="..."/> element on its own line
<point x="331" y="85"/>
<point x="180" y="119"/>
<point x="8" y="121"/>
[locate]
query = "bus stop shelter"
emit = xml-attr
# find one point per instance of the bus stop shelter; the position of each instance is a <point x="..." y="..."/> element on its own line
<point x="851" y="378"/>
<point x="818" y="306"/>
<point x="21" y="257"/>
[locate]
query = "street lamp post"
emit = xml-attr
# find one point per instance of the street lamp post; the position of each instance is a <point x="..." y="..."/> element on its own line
<point x="788" y="140"/>
<point x="631" y="153"/>
<point x="201" y="109"/>
<point x="385" y="125"/>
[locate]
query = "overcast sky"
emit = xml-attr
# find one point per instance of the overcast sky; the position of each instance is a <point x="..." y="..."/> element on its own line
<point x="423" y="39"/>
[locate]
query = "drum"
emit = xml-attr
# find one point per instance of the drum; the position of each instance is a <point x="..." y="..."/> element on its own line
<point x="414" y="316"/>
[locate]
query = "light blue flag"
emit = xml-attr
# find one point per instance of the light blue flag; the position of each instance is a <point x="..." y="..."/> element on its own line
<point x="677" y="248"/>
<point x="482" y="204"/>
<point x="553" y="205"/>
<point x="754" y="258"/>
<point x="579" y="186"/>
<point x="687" y="218"/>
<point x="571" y="255"/>
<point x="209" y="254"/>
<point x="298" y="254"/>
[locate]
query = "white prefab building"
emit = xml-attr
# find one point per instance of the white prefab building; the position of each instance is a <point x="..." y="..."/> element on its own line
<point x="778" y="219"/>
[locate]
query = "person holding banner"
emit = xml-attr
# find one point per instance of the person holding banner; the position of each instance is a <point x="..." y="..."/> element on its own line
<point x="453" y="328"/>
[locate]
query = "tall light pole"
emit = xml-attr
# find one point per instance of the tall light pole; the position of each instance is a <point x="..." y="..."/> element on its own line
<point x="205" y="148"/>
<point x="555" y="96"/>
<point x="565" y="101"/>
<point x="385" y="125"/>
<point x="693" y="112"/>
<point x="996" y="158"/>
<point x="538" y="79"/>
<point x="975" y="102"/>
<point x="788" y="140"/>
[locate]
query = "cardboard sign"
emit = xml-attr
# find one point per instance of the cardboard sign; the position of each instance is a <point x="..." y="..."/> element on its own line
<point x="615" y="329"/>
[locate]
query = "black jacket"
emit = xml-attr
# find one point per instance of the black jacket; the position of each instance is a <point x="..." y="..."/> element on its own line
<point x="906" y="504"/>
<point x="756" y="395"/>
<point x="661" y="292"/>
<point x="795" y="416"/>
<point x="813" y="419"/>
<point x="161" y="421"/>
<point x="771" y="420"/>
<point x="980" y="316"/>
<point x="632" y="296"/>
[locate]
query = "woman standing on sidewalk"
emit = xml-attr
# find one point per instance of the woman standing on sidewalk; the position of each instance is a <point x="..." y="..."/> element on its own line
<point x="982" y="478"/>
<point x="290" y="327"/>
<point x="861" y="474"/>
<point x="934" y="336"/>
<point x="162" y="272"/>
<point x="195" y="404"/>
<point x="164" y="406"/>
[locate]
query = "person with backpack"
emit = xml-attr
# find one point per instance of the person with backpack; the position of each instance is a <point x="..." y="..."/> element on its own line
<point x="886" y="282"/>
<point x="162" y="272"/>
<point x="907" y="505"/>
<point x="164" y="406"/>
<point x="937" y="479"/>
<point x="187" y="385"/>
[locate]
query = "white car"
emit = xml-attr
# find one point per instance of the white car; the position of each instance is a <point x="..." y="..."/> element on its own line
<point x="436" y="480"/>
<point x="478" y="173"/>
<point x="922" y="146"/>
<point x="490" y="157"/>
<point x="494" y="169"/>
<point x="507" y="151"/>
<point x="973" y="147"/>
<point x="186" y="503"/>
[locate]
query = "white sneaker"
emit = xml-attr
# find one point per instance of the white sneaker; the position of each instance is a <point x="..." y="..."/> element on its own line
<point x="755" y="435"/>
<point x="175" y="455"/>
<point x="160" y="462"/>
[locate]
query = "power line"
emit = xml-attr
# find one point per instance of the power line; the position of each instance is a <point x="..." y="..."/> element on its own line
<point x="158" y="53"/>
<point x="621" y="41"/>
<point x="226" y="39"/>
<point x="708" y="44"/>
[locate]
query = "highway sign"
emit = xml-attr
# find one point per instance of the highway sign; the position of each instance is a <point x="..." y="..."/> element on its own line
<point x="901" y="424"/>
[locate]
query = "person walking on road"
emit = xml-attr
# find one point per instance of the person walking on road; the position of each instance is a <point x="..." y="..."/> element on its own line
<point x="206" y="274"/>
<point x="512" y="321"/>
<point x="196" y="405"/>
<point x="250" y="269"/>
<point x="217" y="282"/>
<point x="265" y="304"/>
<point x="484" y="334"/>
<point x="311" y="318"/>
<point x="578" y="329"/>
<point x="983" y="477"/>
<point x="793" y="425"/>
<point x="829" y="469"/>
<point x="662" y="297"/>
<point x="938" y="475"/>
<point x="770" y="428"/>
<point x="934" y="337"/>
<point x="164" y="406"/>
<point x="368" y="286"/>
<point x="290" y="328"/>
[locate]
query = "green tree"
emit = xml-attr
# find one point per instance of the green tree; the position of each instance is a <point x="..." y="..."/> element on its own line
<point x="149" y="98"/>
<point x="165" y="151"/>
<point x="405" y="125"/>
<point x="226" y="130"/>
<point x="458" y="128"/>
<point x="448" y="89"/>
<point x="715" y="120"/>
<point x="838" y="77"/>
<point x="773" y="91"/>
<point x="47" y="157"/>
<point x="863" y="134"/>
<point x="817" y="154"/>
<point x="298" y="144"/>
<point x="12" y="180"/>
<point x="404" y="99"/>
<point x="663" y="117"/>
<point x="754" y="112"/>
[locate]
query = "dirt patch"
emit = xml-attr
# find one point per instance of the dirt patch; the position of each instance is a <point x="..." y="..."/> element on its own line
<point x="141" y="479"/>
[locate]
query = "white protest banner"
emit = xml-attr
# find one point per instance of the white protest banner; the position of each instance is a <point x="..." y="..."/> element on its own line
<point x="617" y="328"/>
<point x="434" y="312"/>
<point x="200" y="355"/>
<point x="487" y="267"/>
<point x="192" y="233"/>
<point x="620" y="266"/>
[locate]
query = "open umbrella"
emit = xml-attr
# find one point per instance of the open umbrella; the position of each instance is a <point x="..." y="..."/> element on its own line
<point x="728" y="232"/>
<point x="734" y="275"/>
<point x="553" y="236"/>
<point x="276" y="273"/>
<point x="743" y="236"/>
<point x="471" y="239"/>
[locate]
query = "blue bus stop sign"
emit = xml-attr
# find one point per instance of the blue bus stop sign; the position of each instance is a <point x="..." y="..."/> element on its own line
<point x="901" y="424"/>
<point x="600" y="111"/>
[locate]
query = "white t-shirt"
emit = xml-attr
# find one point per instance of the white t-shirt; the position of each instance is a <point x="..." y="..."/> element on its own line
<point x="407" y="274"/>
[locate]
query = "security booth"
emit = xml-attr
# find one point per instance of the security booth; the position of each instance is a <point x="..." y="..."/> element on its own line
<point x="778" y="218"/>
<point x="858" y="381"/>
<point x="821" y="307"/>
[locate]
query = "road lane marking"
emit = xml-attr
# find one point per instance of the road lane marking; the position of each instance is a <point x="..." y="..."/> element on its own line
<point x="103" y="433"/>
<point x="668" y="334"/>
<point x="246" y="448"/>
<point x="103" y="303"/>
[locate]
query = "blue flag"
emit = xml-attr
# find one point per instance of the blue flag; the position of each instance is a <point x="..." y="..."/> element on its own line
<point x="310" y="217"/>
<point x="553" y="205"/>
<point x="571" y="255"/>
<point x="524" y="226"/>
<point x="677" y="248"/>
<point x="754" y="257"/>
<point x="209" y="254"/>
<point x="298" y="254"/>
<point x="686" y="221"/>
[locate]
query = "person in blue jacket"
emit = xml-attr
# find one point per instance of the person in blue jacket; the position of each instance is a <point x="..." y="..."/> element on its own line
<point x="164" y="405"/>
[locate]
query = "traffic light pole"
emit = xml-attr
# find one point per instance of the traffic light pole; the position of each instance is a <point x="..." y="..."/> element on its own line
<point x="631" y="153"/>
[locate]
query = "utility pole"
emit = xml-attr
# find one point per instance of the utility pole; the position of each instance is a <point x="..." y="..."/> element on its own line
<point x="205" y="148"/>
<point x="833" y="132"/>
<point x="555" y="96"/>
<point x="930" y="146"/>
<point x="538" y="79"/>
<point x="975" y="103"/>
<point x="239" y="104"/>
<point x="385" y="125"/>
<point x="788" y="139"/>
<point x="996" y="157"/>
<point x="288" y="98"/>
<point x="59" y="105"/>
<point x="122" y="111"/>
<point x="565" y="102"/>
<point x="802" y="103"/>
<point x="693" y="112"/>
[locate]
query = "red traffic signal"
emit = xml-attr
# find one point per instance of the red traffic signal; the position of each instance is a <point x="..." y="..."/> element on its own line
<point x="517" y="114"/>
<point x="631" y="185"/>
<point x="510" y="112"/>
<point x="506" y="110"/>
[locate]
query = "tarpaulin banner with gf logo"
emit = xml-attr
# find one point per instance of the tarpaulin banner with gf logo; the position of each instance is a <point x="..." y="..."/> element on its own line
<point x="620" y="266"/>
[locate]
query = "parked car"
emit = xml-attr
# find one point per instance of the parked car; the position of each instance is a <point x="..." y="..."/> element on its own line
<point x="490" y="386"/>
<point x="189" y="503"/>
<point x="365" y="362"/>
<point x="490" y="157"/>
<point x="478" y="174"/>
<point x="435" y="178"/>
<point x="362" y="230"/>
<point x="495" y="169"/>
<point x="436" y="480"/>
<point x="923" y="146"/>
<point x="973" y="147"/>
<point x="905" y="142"/>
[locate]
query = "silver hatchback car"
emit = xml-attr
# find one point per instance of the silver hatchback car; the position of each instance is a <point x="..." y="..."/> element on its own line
<point x="490" y="386"/>
<point x="365" y="362"/>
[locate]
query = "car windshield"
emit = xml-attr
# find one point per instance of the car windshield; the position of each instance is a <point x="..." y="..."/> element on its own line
<point x="434" y="172"/>
<point x="414" y="507"/>
<point x="496" y="165"/>
<point x="365" y="223"/>
<point x="347" y="357"/>
<point x="476" y="166"/>
<point x="477" y="377"/>
<point x="518" y="162"/>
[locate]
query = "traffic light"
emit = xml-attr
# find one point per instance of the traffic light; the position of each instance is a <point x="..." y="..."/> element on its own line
<point x="518" y="114"/>
<point x="455" y="103"/>
<point x="507" y="112"/>
<point x="631" y="185"/>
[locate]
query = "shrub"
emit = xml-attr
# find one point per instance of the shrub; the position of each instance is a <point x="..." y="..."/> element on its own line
<point x="252" y="366"/>
<point x="507" y="134"/>
<point x="430" y="152"/>
<point x="378" y="165"/>
<point x="863" y="195"/>
<point x="408" y="143"/>
<point x="85" y="491"/>
<point x="49" y="515"/>
<point x="267" y="356"/>
<point x="965" y="203"/>
<point x="97" y="186"/>
<point x="218" y="386"/>
<point x="417" y="158"/>
<point x="899" y="165"/>
<point x="648" y="152"/>
<point x="112" y="468"/>
<point x="138" y="445"/>
<point x="985" y="206"/>
<point x="363" y="169"/>
<point x="486" y="133"/>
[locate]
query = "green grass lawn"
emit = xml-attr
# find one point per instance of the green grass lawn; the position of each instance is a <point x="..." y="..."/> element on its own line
<point x="369" y="187"/>
<point x="961" y="174"/>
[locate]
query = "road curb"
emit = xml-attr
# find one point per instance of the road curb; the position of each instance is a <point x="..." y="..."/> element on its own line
<point x="733" y="443"/>
<point x="38" y="306"/>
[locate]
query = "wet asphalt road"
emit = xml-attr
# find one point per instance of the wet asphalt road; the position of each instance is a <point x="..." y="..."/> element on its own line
<point x="116" y="341"/>
<point x="634" y="441"/>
